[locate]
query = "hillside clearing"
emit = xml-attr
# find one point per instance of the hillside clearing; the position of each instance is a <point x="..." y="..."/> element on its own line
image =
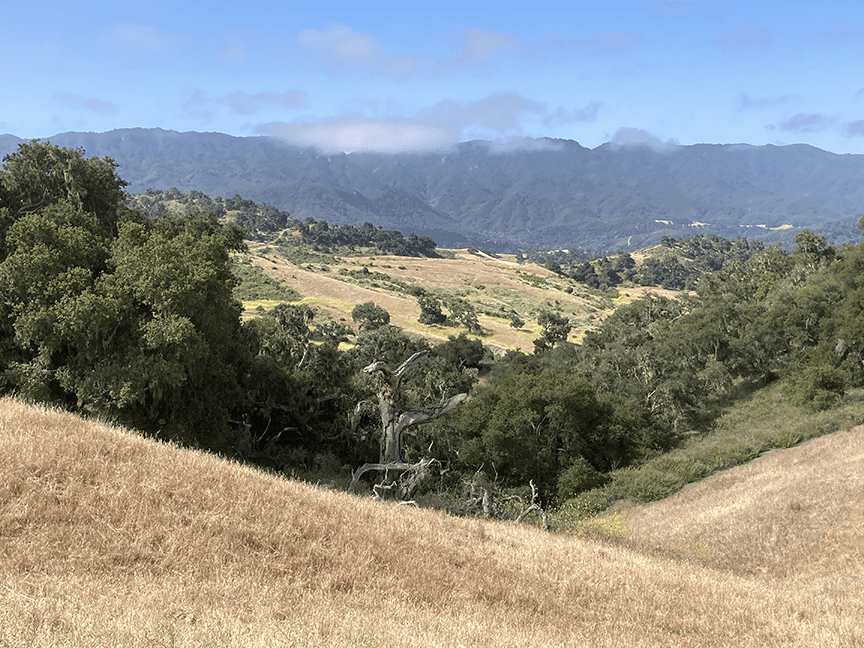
<point x="495" y="287"/>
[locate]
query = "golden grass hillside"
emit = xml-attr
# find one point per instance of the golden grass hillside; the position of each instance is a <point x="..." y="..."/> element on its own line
<point x="795" y="515"/>
<point x="494" y="286"/>
<point x="108" y="539"/>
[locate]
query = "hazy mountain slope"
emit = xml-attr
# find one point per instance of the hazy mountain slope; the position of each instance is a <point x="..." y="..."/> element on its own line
<point x="109" y="539"/>
<point x="542" y="193"/>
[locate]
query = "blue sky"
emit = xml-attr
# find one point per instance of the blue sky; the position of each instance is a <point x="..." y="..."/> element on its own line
<point x="377" y="75"/>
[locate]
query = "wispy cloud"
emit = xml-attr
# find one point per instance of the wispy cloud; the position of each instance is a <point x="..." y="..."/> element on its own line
<point x="563" y="116"/>
<point x="746" y="102"/>
<point x="855" y="128"/>
<point x="600" y="43"/>
<point x="639" y="138"/>
<point x="745" y="34"/>
<point x="477" y="48"/>
<point x="246" y="103"/>
<point x="499" y="116"/>
<point x="145" y="38"/>
<point x="341" y="49"/>
<point x="801" y="123"/>
<point x="499" y="112"/>
<point x="78" y="102"/>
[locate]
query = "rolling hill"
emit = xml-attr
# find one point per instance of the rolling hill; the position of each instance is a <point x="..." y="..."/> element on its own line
<point x="534" y="194"/>
<point x="109" y="539"/>
<point x="494" y="286"/>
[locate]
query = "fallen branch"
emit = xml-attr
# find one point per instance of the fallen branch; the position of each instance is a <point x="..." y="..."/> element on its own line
<point x="418" y="473"/>
<point x="485" y="497"/>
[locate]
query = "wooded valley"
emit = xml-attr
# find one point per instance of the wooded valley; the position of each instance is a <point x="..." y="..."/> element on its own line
<point x="131" y="309"/>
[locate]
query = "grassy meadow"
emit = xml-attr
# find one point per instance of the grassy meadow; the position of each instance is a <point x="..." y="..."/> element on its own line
<point x="494" y="286"/>
<point x="109" y="539"/>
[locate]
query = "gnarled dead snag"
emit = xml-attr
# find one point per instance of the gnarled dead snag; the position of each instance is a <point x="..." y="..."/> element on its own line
<point x="394" y="422"/>
<point x="485" y="497"/>
<point x="534" y="507"/>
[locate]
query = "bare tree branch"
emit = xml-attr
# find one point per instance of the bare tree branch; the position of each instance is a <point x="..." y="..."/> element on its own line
<point x="394" y="422"/>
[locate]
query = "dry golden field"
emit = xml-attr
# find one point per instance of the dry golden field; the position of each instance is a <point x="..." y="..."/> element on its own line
<point x="108" y="539"/>
<point x="795" y="516"/>
<point x="494" y="286"/>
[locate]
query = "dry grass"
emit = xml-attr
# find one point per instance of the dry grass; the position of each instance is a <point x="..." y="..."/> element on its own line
<point x="107" y="539"/>
<point x="795" y="515"/>
<point x="487" y="282"/>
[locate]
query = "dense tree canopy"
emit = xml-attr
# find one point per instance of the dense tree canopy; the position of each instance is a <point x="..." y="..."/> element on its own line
<point x="122" y="315"/>
<point x="107" y="310"/>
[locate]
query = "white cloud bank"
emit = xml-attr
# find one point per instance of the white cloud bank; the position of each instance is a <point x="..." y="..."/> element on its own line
<point x="353" y="133"/>
<point x="499" y="116"/>
<point x="636" y="138"/>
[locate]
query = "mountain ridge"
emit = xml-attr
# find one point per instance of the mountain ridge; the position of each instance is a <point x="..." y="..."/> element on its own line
<point x="540" y="193"/>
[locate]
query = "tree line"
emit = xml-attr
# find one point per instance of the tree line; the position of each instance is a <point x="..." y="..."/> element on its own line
<point x="262" y="221"/>
<point x="675" y="264"/>
<point x="321" y="235"/>
<point x="107" y="311"/>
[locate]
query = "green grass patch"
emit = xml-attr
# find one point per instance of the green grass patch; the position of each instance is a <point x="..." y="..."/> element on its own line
<point x="256" y="285"/>
<point x="764" y="421"/>
<point x="336" y="304"/>
<point x="261" y="304"/>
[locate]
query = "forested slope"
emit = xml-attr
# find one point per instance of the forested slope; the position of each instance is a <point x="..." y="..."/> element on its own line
<point x="107" y="311"/>
<point x="534" y="193"/>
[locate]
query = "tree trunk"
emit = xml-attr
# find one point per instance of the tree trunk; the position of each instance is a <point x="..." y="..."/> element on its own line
<point x="394" y="421"/>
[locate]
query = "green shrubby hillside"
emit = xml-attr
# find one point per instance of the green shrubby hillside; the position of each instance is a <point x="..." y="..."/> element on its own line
<point x="127" y="309"/>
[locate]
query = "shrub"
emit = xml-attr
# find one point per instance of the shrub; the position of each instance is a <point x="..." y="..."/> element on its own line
<point x="580" y="476"/>
<point x="816" y="387"/>
<point x="369" y="316"/>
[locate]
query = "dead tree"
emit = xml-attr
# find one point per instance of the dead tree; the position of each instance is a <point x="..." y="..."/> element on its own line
<point x="394" y="422"/>
<point x="484" y="497"/>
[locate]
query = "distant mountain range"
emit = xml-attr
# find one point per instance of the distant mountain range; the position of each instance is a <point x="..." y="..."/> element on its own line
<point x="540" y="193"/>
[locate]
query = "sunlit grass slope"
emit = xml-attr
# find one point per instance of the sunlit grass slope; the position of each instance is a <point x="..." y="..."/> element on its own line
<point x="795" y="515"/>
<point x="107" y="539"/>
<point x="494" y="287"/>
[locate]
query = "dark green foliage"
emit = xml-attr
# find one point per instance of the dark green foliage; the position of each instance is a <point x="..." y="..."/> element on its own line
<point x="103" y="309"/>
<point x="322" y="234"/>
<point x="40" y="174"/>
<point x="812" y="248"/>
<point x="463" y="312"/>
<point x="516" y="322"/>
<point x="388" y="344"/>
<point x="461" y="352"/>
<point x="430" y="310"/>
<point x="580" y="476"/>
<point x="130" y="318"/>
<point x="536" y="426"/>
<point x="555" y="327"/>
<point x="369" y="316"/>
<point x="816" y="387"/>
